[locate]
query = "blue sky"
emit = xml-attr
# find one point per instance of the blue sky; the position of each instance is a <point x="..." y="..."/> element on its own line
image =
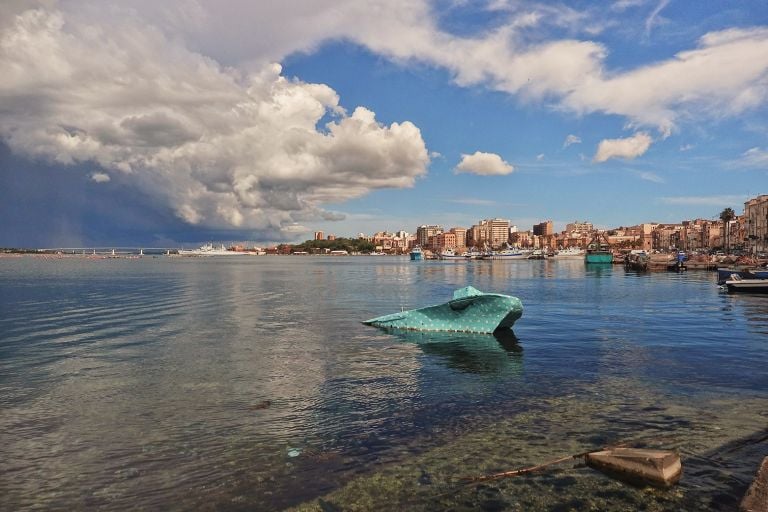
<point x="139" y="123"/>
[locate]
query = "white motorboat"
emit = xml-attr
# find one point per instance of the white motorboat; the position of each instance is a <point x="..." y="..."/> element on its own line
<point x="738" y="284"/>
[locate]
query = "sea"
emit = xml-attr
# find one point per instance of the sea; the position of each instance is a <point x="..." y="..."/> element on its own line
<point x="251" y="383"/>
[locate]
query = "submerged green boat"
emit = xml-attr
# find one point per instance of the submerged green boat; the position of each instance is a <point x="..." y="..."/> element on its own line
<point x="470" y="310"/>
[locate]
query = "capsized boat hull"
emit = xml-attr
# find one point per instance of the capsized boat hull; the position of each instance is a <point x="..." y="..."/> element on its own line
<point x="470" y="310"/>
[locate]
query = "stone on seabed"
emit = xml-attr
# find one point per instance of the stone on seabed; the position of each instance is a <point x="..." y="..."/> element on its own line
<point x="756" y="499"/>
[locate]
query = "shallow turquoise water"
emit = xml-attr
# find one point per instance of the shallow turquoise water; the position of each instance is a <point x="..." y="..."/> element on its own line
<point x="242" y="383"/>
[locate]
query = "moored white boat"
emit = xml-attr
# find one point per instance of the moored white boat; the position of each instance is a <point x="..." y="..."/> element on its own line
<point x="570" y="253"/>
<point x="450" y="254"/>
<point x="738" y="284"/>
<point x="507" y="254"/>
<point x="210" y="250"/>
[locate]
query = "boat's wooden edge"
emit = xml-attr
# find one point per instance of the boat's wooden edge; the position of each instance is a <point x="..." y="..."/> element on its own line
<point x="756" y="498"/>
<point x="658" y="468"/>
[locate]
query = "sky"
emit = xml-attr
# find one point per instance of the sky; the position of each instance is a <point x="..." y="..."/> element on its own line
<point x="165" y="123"/>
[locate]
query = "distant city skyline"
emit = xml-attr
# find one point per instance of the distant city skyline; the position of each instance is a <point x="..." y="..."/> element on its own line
<point x="162" y="124"/>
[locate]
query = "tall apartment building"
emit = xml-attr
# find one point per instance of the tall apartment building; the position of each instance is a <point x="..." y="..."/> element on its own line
<point x="461" y="236"/>
<point x="756" y="224"/>
<point x="423" y="233"/>
<point x="499" y="232"/>
<point x="319" y="235"/>
<point x="491" y="232"/>
<point x="543" y="229"/>
<point x="579" y="227"/>
<point x="443" y="241"/>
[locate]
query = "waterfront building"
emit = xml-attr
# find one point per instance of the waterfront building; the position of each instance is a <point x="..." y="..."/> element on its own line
<point x="443" y="241"/>
<point x="646" y="236"/>
<point x="579" y="228"/>
<point x="490" y="232"/>
<point x="461" y="237"/>
<point x="543" y="229"/>
<point x="499" y="231"/>
<point x="667" y="237"/>
<point x="424" y="232"/>
<point x="522" y="239"/>
<point x="756" y="224"/>
<point x="712" y="234"/>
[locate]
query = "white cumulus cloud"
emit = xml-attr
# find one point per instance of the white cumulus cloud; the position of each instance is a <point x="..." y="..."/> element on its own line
<point x="628" y="148"/>
<point x="524" y="54"/>
<point x="484" y="164"/>
<point x="223" y="148"/>
<point x="100" y="177"/>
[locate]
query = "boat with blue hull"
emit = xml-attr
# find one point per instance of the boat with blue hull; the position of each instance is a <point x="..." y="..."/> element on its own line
<point x="724" y="274"/>
<point x="470" y="310"/>
<point x="417" y="254"/>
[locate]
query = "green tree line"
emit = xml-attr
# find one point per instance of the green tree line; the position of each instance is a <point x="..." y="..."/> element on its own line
<point x="340" y="244"/>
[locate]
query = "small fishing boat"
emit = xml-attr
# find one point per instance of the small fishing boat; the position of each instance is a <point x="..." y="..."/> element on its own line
<point x="724" y="274"/>
<point x="659" y="468"/>
<point x="417" y="254"/>
<point x="470" y="310"/>
<point x="505" y="254"/>
<point x="450" y="254"/>
<point x="598" y="250"/>
<point x="570" y="253"/>
<point x="738" y="284"/>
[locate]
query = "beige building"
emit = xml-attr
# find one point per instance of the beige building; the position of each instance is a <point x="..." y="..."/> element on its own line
<point x="579" y="228"/>
<point x="423" y="234"/>
<point x="461" y="236"/>
<point x="491" y="232"/>
<point x="756" y="224"/>
<point x="443" y="241"/>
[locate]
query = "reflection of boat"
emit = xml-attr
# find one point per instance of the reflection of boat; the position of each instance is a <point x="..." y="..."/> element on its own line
<point x="598" y="250"/>
<point x="470" y="310"/>
<point x="209" y="250"/>
<point x="417" y="254"/>
<point x="738" y="284"/>
<point x="469" y="352"/>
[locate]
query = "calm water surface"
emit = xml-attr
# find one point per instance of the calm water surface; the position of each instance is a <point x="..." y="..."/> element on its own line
<point x="250" y="384"/>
